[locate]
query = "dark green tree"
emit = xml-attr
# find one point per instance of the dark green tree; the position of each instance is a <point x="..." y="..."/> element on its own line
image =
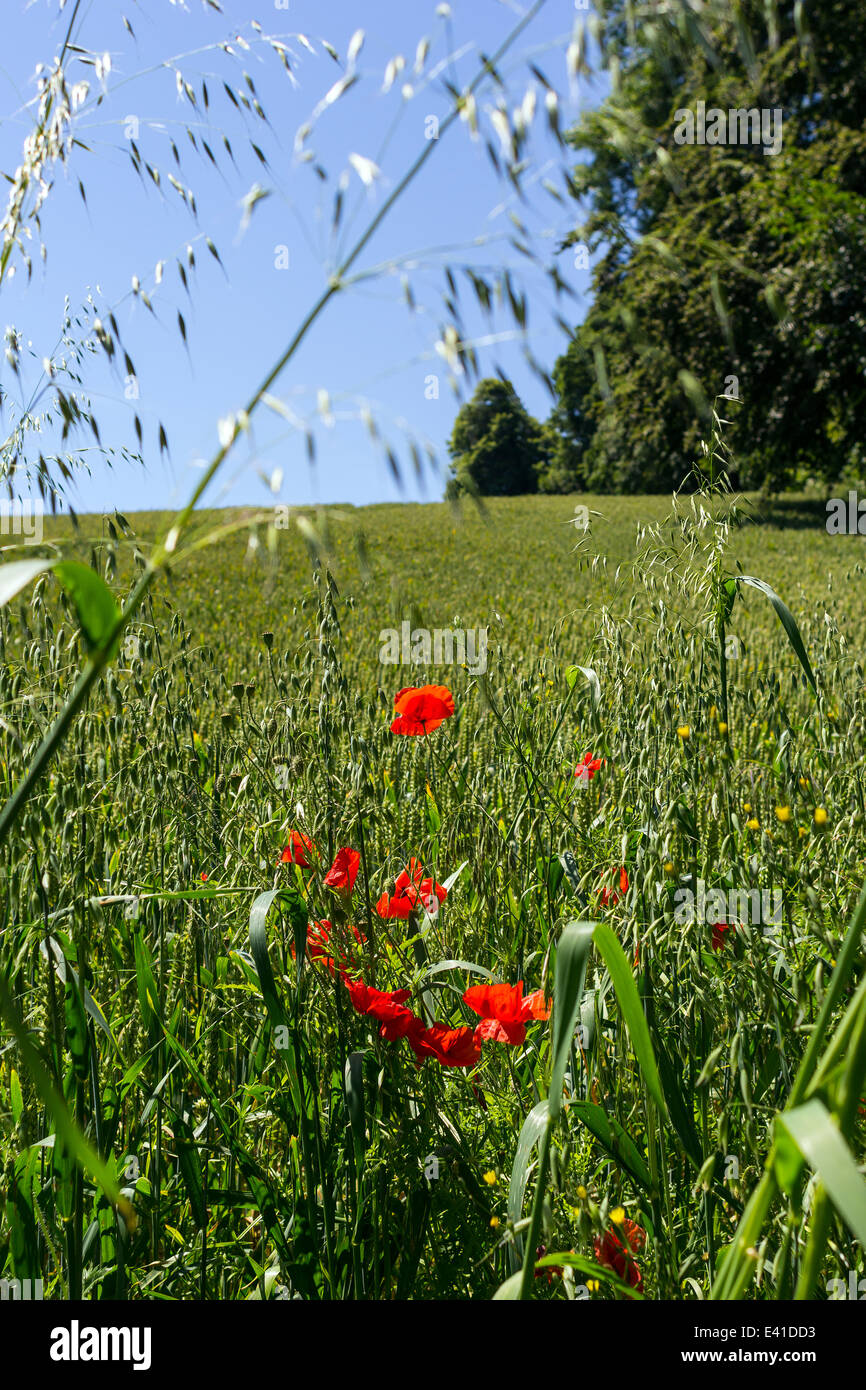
<point x="496" y="446"/>
<point x="723" y="269"/>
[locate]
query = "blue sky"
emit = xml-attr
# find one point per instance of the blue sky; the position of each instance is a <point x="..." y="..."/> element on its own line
<point x="367" y="352"/>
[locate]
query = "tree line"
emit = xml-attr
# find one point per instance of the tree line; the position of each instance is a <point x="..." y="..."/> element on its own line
<point x="724" y="264"/>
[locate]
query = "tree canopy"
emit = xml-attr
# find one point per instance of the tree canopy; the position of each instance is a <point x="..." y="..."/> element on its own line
<point x="721" y="269"/>
<point x="496" y="446"/>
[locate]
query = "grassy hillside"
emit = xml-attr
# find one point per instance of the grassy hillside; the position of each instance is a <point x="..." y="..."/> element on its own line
<point x="273" y="1143"/>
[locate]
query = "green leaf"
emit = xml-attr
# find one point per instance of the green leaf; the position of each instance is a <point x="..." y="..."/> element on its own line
<point x="821" y="1144"/>
<point x="681" y="1116"/>
<point x="67" y="1131"/>
<point x="786" y="618"/>
<point x="611" y="1135"/>
<point x="77" y="1036"/>
<point x="571" y="675"/>
<point x="259" y="947"/>
<point x="94" y="602"/>
<point x="588" y="1267"/>
<point x="97" y="607"/>
<point x="20" y="1204"/>
<point x="191" y="1171"/>
<point x="17" y="575"/>
<point x="452" y="878"/>
<point x="455" y="965"/>
<point x="148" y="994"/>
<point x="510" y="1290"/>
<point x="15" y="1097"/>
<point x="571" y="958"/>
<point x="629" y="1002"/>
<point x="788" y="1161"/>
<point x="63" y="969"/>
<point x="727" y="598"/>
<point x="533" y="1127"/>
<point x="354" y="1077"/>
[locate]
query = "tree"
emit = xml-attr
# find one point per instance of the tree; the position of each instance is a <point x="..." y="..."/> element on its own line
<point x="724" y="270"/>
<point x="496" y="446"/>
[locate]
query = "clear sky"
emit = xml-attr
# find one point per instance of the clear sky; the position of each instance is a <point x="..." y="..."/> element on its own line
<point x="368" y="350"/>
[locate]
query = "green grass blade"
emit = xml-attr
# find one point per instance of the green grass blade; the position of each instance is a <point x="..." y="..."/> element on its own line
<point x="786" y="618"/>
<point x="66" y="1130"/>
<point x="618" y="1142"/>
<point x="259" y="947"/>
<point x="629" y="1001"/>
<point x="821" y="1144"/>
<point x="16" y="576"/>
<point x="678" y="1109"/>
<point x="97" y="607"/>
<point x="571" y="957"/>
<point x="533" y="1127"/>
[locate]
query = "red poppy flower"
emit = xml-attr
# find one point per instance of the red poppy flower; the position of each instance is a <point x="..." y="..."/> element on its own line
<point x="297" y="850"/>
<point x="451" y="1047"/>
<point x="611" y="895"/>
<point x="399" y="905"/>
<point x="617" y="1248"/>
<point x="719" y="929"/>
<point x="388" y="1008"/>
<point x="403" y="1024"/>
<point x="586" y="770"/>
<point x="411" y="884"/>
<point x="504" y="1012"/>
<point x="344" y="870"/>
<point x="421" y="709"/>
<point x="411" y="891"/>
<point x="321" y="947"/>
<point x="203" y="876"/>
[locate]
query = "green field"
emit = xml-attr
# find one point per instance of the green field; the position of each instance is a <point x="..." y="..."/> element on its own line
<point x="271" y="1143"/>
